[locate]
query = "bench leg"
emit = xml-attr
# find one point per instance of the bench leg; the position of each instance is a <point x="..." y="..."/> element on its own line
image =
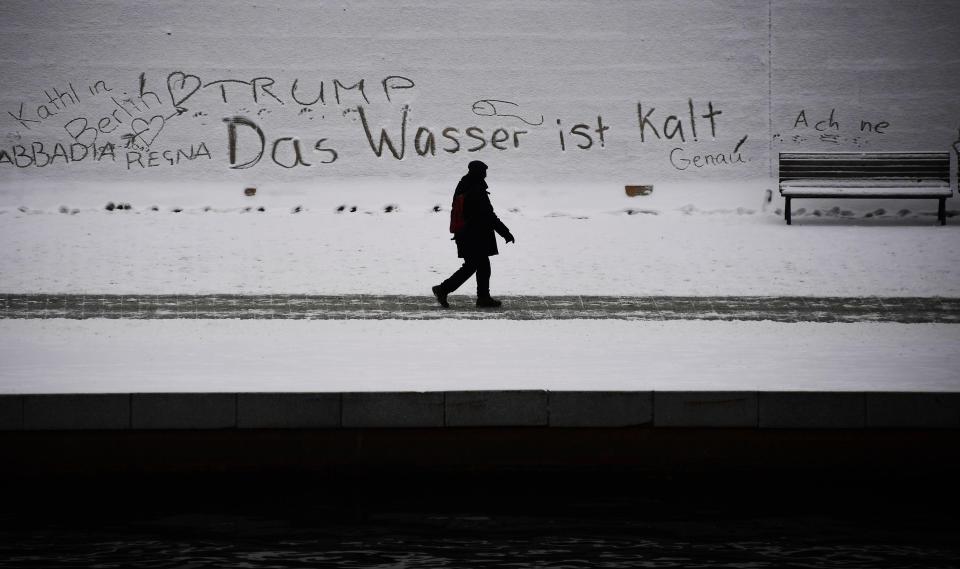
<point x="942" y="211"/>
<point x="786" y="211"/>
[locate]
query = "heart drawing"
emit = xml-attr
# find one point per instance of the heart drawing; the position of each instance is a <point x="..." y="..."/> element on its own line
<point x="181" y="86"/>
<point x="146" y="132"/>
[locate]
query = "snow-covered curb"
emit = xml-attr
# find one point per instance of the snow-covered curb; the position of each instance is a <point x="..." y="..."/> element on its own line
<point x="122" y="356"/>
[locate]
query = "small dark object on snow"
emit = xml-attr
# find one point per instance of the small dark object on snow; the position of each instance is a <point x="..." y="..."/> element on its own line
<point x="261" y="209"/>
<point x="389" y="208"/>
<point x="250" y="192"/>
<point x="126" y="206"/>
<point x="176" y="210"/>
<point x="437" y="208"/>
<point x="110" y="206"/>
<point x="297" y="209"/>
<point x="154" y="208"/>
<point x="353" y="209"/>
<point x="634" y="191"/>
<point x="341" y="208"/>
<point x="64" y="209"/>
<point x="207" y="208"/>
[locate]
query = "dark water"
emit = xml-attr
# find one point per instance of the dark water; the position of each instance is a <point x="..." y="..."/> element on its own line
<point x="564" y="523"/>
<point x="394" y="546"/>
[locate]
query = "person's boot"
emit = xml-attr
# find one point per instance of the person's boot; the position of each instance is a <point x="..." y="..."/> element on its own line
<point x="488" y="302"/>
<point x="441" y="296"/>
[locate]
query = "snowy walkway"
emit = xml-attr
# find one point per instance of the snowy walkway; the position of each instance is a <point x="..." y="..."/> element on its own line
<point x="101" y="355"/>
<point x="325" y="307"/>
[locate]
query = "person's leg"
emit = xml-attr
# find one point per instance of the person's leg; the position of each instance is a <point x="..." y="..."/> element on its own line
<point x="483" y="285"/>
<point x="483" y="276"/>
<point x="460" y="276"/>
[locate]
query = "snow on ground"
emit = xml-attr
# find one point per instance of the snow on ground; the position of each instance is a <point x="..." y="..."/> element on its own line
<point x="67" y="356"/>
<point x="570" y="240"/>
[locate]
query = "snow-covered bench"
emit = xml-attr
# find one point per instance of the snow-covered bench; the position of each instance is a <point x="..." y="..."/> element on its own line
<point x="901" y="175"/>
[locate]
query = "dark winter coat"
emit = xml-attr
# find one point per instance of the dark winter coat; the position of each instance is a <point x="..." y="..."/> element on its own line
<point x="477" y="237"/>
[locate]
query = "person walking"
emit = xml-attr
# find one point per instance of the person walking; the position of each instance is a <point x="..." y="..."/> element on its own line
<point x="473" y="223"/>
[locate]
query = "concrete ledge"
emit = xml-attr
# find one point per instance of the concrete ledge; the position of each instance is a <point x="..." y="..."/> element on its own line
<point x="288" y="410"/>
<point x="812" y="410"/>
<point x="662" y="409"/>
<point x="917" y="410"/>
<point x="705" y="408"/>
<point x="184" y="410"/>
<point x="76" y="411"/>
<point x="11" y="412"/>
<point x="393" y="410"/>
<point x="600" y="408"/>
<point x="496" y="409"/>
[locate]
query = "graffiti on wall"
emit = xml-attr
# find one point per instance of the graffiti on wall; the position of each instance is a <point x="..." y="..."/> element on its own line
<point x="832" y="127"/>
<point x="105" y="122"/>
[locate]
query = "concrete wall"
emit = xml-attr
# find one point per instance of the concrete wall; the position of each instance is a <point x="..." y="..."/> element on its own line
<point x="841" y="434"/>
<point x="158" y="80"/>
<point x="884" y="69"/>
<point x="392" y="410"/>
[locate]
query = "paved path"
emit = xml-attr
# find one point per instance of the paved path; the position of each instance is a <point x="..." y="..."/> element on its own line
<point x="323" y="307"/>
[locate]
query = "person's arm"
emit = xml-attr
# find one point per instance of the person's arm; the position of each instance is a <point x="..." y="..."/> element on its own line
<point x="494" y="221"/>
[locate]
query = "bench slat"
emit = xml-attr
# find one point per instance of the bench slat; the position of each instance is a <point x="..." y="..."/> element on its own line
<point x="853" y="158"/>
<point x="861" y="192"/>
<point x="864" y="156"/>
<point x="861" y="182"/>
<point x="830" y="174"/>
<point x="865" y="166"/>
<point x="868" y="165"/>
